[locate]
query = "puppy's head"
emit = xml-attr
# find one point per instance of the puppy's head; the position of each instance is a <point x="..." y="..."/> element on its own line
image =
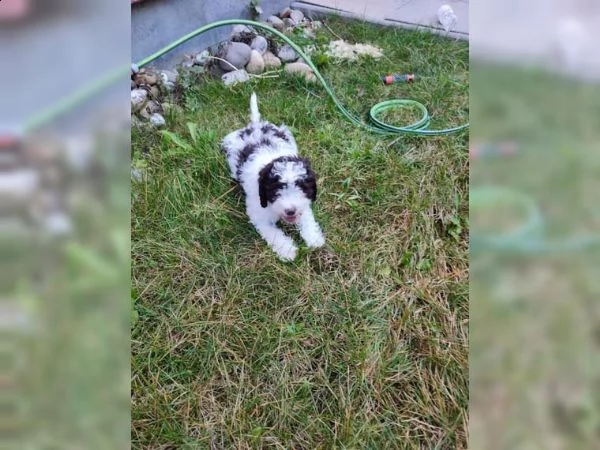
<point x="287" y="185"/>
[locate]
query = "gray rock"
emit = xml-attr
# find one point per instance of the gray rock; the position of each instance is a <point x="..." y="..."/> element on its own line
<point x="271" y="61"/>
<point x="287" y="54"/>
<point x="238" y="31"/>
<point x="285" y="13"/>
<point x="256" y="64"/>
<point x="276" y="23"/>
<point x="235" y="76"/>
<point x="260" y="44"/>
<point x="202" y="57"/>
<point x="296" y="15"/>
<point x="157" y="120"/>
<point x="138" y="98"/>
<point x="289" y="23"/>
<point x="237" y="54"/>
<point x="134" y="68"/>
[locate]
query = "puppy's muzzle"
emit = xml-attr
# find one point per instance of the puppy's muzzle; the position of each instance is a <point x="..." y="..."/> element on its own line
<point x="290" y="215"/>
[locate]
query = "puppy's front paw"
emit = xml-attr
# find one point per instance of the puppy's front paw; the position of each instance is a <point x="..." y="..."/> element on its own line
<point x="287" y="253"/>
<point x="315" y="240"/>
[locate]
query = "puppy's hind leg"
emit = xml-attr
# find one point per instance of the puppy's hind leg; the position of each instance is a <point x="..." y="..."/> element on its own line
<point x="310" y="230"/>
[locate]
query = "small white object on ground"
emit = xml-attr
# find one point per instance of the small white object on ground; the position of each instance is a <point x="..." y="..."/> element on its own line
<point x="137" y="174"/>
<point x="169" y="76"/>
<point x="447" y="18"/>
<point x="202" y="57"/>
<point x="235" y="76"/>
<point x="157" y="120"/>
<point x="343" y="50"/>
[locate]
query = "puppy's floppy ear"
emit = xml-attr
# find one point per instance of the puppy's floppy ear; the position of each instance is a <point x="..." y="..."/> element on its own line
<point x="308" y="184"/>
<point x="264" y="184"/>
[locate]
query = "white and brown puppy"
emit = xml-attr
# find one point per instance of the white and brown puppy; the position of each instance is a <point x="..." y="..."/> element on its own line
<point x="279" y="185"/>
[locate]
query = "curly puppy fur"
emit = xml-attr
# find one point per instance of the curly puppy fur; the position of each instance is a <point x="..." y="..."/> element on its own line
<point x="279" y="185"/>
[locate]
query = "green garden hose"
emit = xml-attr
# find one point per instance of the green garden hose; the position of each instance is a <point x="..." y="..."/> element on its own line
<point x="418" y="128"/>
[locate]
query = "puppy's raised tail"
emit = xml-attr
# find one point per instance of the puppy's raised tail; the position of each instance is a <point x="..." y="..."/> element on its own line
<point x="254" y="114"/>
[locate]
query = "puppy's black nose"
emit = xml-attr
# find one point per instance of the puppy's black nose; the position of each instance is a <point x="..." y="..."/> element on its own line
<point x="290" y="212"/>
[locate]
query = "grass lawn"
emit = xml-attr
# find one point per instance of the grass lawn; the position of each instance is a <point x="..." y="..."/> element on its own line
<point x="536" y="318"/>
<point x="360" y="345"/>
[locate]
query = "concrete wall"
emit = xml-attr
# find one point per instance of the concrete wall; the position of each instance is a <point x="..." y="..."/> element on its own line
<point x="157" y="23"/>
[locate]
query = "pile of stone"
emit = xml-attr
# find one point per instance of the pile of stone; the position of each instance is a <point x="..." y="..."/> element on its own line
<point x="249" y="52"/>
<point x="149" y="90"/>
<point x="252" y="51"/>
